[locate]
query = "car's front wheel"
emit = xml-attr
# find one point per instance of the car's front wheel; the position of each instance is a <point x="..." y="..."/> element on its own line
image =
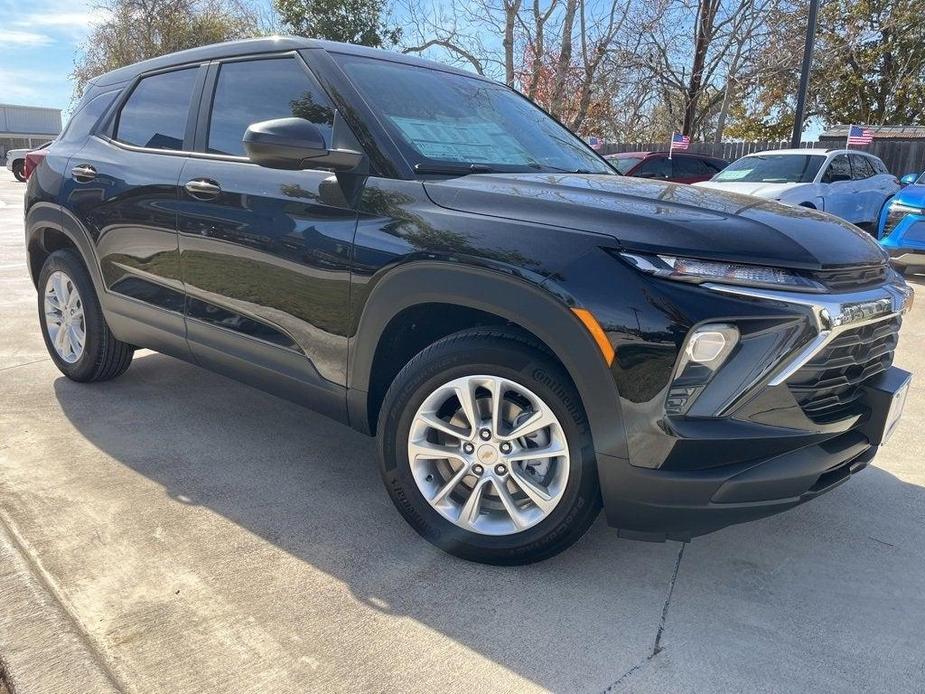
<point x="18" y="170"/>
<point x="485" y="449"/>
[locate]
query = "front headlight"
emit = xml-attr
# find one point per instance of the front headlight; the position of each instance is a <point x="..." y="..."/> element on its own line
<point x="697" y="271"/>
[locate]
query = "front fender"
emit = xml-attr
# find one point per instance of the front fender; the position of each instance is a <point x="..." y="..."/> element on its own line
<point x="510" y="298"/>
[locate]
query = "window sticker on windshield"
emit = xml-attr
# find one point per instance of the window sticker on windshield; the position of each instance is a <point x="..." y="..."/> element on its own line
<point x="735" y="174"/>
<point x="462" y="140"/>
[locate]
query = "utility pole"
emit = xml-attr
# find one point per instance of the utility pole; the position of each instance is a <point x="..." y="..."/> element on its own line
<point x="804" y="74"/>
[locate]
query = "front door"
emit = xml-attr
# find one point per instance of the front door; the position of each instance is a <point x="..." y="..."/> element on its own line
<point x="265" y="253"/>
<point x="839" y="196"/>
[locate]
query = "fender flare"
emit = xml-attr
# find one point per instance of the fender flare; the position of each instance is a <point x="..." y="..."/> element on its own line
<point x="513" y="299"/>
<point x="44" y="215"/>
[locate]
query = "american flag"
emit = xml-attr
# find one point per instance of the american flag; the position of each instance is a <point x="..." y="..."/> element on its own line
<point x="860" y="136"/>
<point x="596" y="142"/>
<point x="679" y="141"/>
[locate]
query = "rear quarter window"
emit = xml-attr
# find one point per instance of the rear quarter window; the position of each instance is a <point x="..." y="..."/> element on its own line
<point x="86" y="117"/>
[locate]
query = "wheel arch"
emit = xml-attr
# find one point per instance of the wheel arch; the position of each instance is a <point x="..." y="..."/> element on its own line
<point x="503" y="299"/>
<point x="48" y="229"/>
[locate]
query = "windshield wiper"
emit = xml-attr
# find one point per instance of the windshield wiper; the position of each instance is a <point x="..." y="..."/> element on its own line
<point x="453" y="170"/>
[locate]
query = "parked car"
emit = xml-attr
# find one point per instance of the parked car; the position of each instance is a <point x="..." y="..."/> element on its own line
<point x="681" y="168"/>
<point x="849" y="184"/>
<point x="528" y="334"/>
<point x="902" y="225"/>
<point x="16" y="160"/>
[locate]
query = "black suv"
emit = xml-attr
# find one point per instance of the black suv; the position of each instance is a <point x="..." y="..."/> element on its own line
<point x="425" y="255"/>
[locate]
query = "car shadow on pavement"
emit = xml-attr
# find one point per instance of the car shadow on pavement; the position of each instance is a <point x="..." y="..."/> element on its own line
<point x="310" y="487"/>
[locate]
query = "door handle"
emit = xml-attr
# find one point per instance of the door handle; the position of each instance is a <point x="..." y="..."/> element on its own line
<point x="83" y="173"/>
<point x="203" y="188"/>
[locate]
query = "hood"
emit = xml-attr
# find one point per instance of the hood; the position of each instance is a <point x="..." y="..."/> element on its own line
<point x="771" y="191"/>
<point x="913" y="196"/>
<point x="654" y="216"/>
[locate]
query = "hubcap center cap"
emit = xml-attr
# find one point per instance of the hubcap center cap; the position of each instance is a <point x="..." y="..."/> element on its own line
<point x="487" y="454"/>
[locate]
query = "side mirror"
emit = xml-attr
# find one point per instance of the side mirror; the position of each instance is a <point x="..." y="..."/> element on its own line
<point x="295" y="143"/>
<point x="909" y="179"/>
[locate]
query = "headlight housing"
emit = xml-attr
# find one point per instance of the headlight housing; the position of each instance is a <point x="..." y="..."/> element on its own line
<point x="697" y="271"/>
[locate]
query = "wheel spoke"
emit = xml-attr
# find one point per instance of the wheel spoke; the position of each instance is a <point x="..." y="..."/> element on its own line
<point x="542" y="499"/>
<point x="75" y="339"/>
<point x="433" y="421"/>
<point x="554" y="450"/>
<point x="536" y="422"/>
<point x="447" y="488"/>
<point x="432" y="451"/>
<point x="508" y="501"/>
<point x="497" y="397"/>
<point x="466" y="396"/>
<point x="469" y="513"/>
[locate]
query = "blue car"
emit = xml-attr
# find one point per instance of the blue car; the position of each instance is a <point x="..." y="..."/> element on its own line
<point x="902" y="225"/>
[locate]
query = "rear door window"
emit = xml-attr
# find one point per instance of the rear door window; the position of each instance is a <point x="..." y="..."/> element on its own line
<point x="258" y="90"/>
<point x="655" y="167"/>
<point x="155" y="114"/>
<point x="861" y="167"/>
<point x="691" y="167"/>
<point x="839" y="169"/>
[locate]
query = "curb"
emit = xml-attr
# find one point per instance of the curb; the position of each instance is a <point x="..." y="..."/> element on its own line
<point x="42" y="649"/>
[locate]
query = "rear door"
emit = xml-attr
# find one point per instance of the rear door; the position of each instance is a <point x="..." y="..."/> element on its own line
<point x="123" y="189"/>
<point x="839" y="192"/>
<point x="265" y="252"/>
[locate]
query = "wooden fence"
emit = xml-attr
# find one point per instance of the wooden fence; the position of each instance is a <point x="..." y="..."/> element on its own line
<point x="900" y="157"/>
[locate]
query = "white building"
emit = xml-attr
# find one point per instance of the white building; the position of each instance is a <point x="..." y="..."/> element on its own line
<point x="27" y="126"/>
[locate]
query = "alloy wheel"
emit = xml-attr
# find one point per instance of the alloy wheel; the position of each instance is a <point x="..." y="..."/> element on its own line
<point x="64" y="317"/>
<point x="489" y="455"/>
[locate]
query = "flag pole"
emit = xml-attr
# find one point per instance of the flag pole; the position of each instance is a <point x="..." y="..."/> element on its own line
<point x="670" y="145"/>
<point x="848" y="139"/>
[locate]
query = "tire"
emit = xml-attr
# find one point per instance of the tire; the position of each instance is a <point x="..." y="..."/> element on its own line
<point x="100" y="356"/>
<point x="555" y="499"/>
<point x="18" y="172"/>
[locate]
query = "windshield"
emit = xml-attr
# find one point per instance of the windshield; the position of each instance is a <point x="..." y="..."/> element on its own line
<point x="776" y="168"/>
<point x="452" y="123"/>
<point x="623" y="164"/>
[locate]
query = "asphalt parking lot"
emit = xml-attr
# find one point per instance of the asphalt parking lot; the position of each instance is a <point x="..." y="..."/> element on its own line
<point x="175" y="531"/>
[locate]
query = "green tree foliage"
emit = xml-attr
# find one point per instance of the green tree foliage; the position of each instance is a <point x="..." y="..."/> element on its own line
<point x="871" y="65"/>
<point x="351" y="21"/>
<point x="140" y="29"/>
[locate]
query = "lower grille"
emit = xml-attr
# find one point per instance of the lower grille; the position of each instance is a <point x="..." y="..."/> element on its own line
<point x="844" y="279"/>
<point x="827" y="385"/>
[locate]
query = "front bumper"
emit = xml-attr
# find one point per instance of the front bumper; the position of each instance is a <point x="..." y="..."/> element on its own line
<point x="767" y="449"/>
<point x="660" y="505"/>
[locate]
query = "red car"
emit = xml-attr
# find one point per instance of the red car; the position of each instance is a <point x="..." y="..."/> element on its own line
<point x="681" y="168"/>
<point x="33" y="159"/>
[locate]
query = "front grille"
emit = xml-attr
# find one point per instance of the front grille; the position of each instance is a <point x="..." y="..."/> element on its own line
<point x="827" y="385"/>
<point x="845" y="279"/>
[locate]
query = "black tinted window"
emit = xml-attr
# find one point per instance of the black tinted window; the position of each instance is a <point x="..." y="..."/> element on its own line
<point x="657" y="167"/>
<point x="155" y="114"/>
<point x="691" y="167"/>
<point x="260" y="90"/>
<point x="861" y="167"/>
<point x="86" y="116"/>
<point x="839" y="169"/>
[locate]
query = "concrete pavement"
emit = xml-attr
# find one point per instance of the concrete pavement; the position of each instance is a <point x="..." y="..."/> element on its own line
<point x="180" y="532"/>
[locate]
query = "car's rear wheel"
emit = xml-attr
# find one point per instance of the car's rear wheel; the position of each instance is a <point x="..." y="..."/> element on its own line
<point x="486" y="452"/>
<point x="75" y="331"/>
<point x="18" y="171"/>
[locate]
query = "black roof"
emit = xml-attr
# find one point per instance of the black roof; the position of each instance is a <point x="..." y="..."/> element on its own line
<point x="270" y="44"/>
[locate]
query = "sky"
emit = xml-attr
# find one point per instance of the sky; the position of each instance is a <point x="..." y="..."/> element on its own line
<point x="37" y="43"/>
<point x="38" y="40"/>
